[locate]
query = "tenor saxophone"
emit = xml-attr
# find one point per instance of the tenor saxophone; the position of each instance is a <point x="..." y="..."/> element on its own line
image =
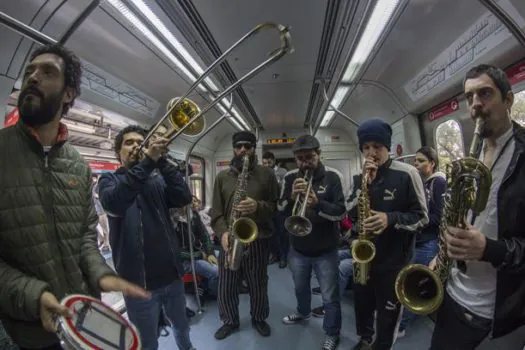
<point x="418" y="288"/>
<point x="363" y="250"/>
<point x="242" y="230"/>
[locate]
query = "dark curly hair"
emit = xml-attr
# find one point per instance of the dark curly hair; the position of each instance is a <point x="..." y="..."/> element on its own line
<point x="73" y="69"/>
<point x="120" y="137"/>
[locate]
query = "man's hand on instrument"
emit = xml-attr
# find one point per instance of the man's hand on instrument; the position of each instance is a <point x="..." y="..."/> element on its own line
<point x="432" y="264"/>
<point x="49" y="308"/>
<point x="112" y="283"/>
<point x="157" y="148"/>
<point x="370" y="166"/>
<point x="376" y="223"/>
<point x="225" y="241"/>
<point x="212" y="259"/>
<point x="465" y="244"/>
<point x="299" y="186"/>
<point x="247" y="206"/>
<point x="312" y="199"/>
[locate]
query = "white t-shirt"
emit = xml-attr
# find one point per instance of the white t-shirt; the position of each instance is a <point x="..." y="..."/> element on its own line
<point x="475" y="290"/>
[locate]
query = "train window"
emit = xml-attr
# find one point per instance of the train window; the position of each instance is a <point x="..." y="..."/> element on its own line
<point x="449" y="142"/>
<point x="518" y="108"/>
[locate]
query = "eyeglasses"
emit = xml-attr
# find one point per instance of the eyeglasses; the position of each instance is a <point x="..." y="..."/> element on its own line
<point x="247" y="146"/>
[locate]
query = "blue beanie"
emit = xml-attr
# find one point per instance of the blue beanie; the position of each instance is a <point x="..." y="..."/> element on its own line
<point x="375" y="130"/>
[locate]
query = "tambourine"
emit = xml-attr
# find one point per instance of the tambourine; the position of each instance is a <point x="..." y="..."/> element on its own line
<point x="95" y="326"/>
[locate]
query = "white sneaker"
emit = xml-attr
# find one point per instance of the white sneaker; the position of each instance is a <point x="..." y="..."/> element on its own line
<point x="295" y="317"/>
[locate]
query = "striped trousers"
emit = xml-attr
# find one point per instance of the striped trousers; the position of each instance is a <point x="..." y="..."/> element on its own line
<point x="254" y="270"/>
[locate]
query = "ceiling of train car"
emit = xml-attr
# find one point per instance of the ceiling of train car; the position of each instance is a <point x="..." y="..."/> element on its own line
<point x="116" y="58"/>
<point x="423" y="31"/>
<point x="279" y="94"/>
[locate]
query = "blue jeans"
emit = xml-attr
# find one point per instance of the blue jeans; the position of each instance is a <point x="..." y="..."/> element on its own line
<point x="326" y="269"/>
<point x="144" y="314"/>
<point x="423" y="254"/>
<point x="346" y="269"/>
<point x="206" y="270"/>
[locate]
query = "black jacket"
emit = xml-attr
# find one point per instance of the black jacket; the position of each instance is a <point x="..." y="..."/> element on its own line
<point x="325" y="217"/>
<point x="142" y="237"/>
<point x="507" y="254"/>
<point x="397" y="191"/>
<point x="435" y="187"/>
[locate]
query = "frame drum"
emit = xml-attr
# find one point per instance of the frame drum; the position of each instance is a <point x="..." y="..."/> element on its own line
<point x="95" y="325"/>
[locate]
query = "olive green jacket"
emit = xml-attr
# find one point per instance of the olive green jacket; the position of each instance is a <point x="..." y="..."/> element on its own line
<point x="262" y="186"/>
<point x="48" y="238"/>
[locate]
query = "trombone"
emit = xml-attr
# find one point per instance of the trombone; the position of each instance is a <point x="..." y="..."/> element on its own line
<point x="184" y="114"/>
<point x="297" y="224"/>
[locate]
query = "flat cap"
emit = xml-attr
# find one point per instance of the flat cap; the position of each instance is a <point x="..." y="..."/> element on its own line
<point x="305" y="142"/>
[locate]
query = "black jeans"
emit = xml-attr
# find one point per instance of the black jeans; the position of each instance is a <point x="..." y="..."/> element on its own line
<point x="377" y="295"/>
<point x="457" y="328"/>
<point x="281" y="239"/>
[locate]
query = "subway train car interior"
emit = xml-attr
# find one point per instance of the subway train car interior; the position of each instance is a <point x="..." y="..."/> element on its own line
<point x="256" y="153"/>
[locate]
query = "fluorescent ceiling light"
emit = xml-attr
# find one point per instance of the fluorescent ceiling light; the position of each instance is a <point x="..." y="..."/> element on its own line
<point x="337" y="100"/>
<point x="381" y="16"/>
<point x="77" y="127"/>
<point x="383" y="11"/>
<point x="146" y="11"/>
<point x="235" y="122"/>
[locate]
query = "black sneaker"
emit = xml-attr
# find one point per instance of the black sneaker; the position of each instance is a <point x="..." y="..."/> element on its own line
<point x="316" y="291"/>
<point x="318" y="312"/>
<point x="262" y="327"/>
<point x="363" y="345"/>
<point x="330" y="342"/>
<point x="225" y="331"/>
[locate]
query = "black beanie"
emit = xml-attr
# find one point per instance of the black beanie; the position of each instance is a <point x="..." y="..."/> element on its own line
<point x="243" y="136"/>
<point x="375" y="130"/>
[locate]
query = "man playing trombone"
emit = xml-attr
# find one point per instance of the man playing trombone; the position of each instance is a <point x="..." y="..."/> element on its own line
<point x="136" y="199"/>
<point x="317" y="250"/>
<point x="258" y="205"/>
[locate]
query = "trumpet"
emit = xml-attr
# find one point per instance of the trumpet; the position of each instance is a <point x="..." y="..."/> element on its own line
<point x="297" y="224"/>
<point x="186" y="117"/>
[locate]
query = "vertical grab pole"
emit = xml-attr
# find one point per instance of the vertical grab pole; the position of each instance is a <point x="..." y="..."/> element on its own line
<point x="189" y="212"/>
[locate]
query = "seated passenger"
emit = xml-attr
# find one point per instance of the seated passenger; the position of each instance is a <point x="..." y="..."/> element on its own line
<point x="205" y="260"/>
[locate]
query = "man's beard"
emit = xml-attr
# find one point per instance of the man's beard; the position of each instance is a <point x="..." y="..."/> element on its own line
<point x="35" y="113"/>
<point x="237" y="161"/>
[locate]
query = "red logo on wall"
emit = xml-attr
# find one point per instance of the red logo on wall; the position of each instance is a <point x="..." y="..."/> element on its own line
<point x="444" y="109"/>
<point x="105" y="166"/>
<point x="11" y="118"/>
<point x="516" y="73"/>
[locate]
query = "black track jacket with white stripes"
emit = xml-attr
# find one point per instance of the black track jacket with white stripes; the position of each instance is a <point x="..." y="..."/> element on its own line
<point x="325" y="217"/>
<point x="397" y="191"/>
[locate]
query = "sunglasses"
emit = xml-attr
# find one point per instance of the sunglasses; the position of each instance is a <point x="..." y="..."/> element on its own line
<point x="247" y="146"/>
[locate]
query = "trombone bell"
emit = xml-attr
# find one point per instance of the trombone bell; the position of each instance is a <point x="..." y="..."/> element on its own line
<point x="182" y="115"/>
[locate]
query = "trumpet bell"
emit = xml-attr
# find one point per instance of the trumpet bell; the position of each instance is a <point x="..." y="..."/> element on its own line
<point x="182" y="115"/>
<point x="363" y="251"/>
<point x="298" y="226"/>
<point x="419" y="289"/>
<point x="245" y="230"/>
